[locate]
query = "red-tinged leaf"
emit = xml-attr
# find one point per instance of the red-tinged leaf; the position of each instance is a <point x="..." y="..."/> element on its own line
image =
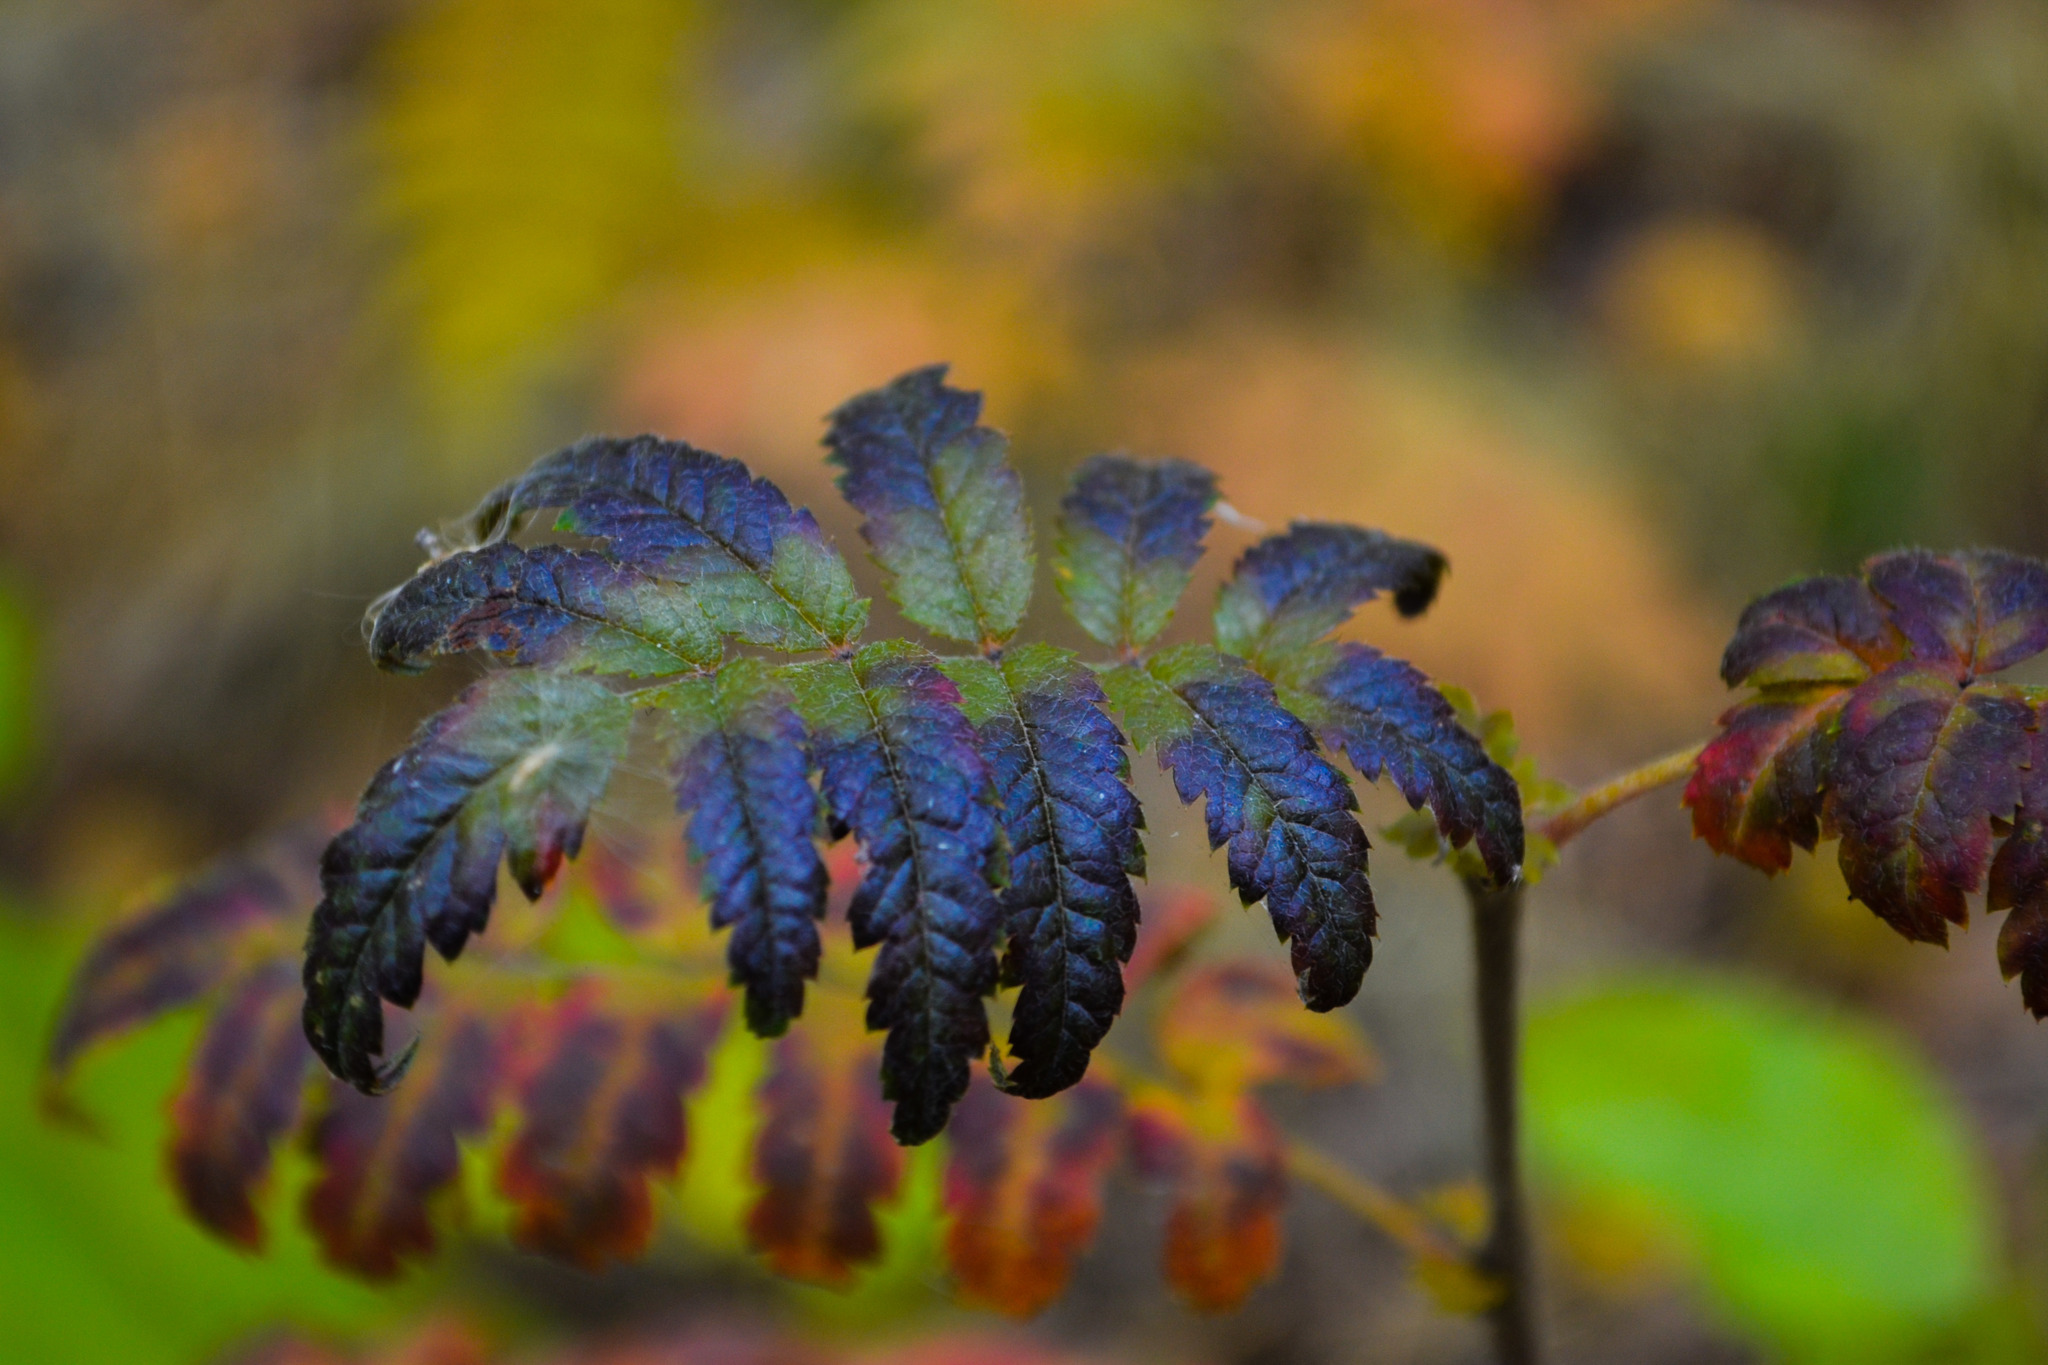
<point x="1175" y="917"/>
<point x="603" y="1115"/>
<point x="1235" y="1024"/>
<point x="1024" y="1188"/>
<point x="242" y="909"/>
<point x="1224" y="1161"/>
<point x="1873" y="721"/>
<point x="384" y="1158"/>
<point x="1920" y="772"/>
<point x="241" y="1094"/>
<point x="824" y="1157"/>
<point x="1826" y="629"/>
<point x="2019" y="883"/>
<point x="1756" y="789"/>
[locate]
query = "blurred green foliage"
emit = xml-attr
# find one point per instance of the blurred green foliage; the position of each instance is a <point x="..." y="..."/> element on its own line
<point x="1804" y="1163"/>
<point x="99" y="1262"/>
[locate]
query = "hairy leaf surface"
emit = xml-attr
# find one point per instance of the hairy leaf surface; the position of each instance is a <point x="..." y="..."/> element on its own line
<point x="1130" y="535"/>
<point x="1872" y="720"/>
<point x="241" y="1094"/>
<point x="903" y="770"/>
<point x="602" y="1114"/>
<point x="824" y="1157"/>
<point x="1284" y="812"/>
<point x="1024" y="1188"/>
<point x="943" y="510"/>
<point x="548" y="605"/>
<point x="1291" y="589"/>
<point x="1386" y="717"/>
<point x="1058" y="764"/>
<point x="742" y="776"/>
<point x="2019" y="884"/>
<point x="385" y="1159"/>
<point x="760" y="570"/>
<point x="510" y="770"/>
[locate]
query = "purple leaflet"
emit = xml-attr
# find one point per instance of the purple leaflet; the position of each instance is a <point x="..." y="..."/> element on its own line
<point x="546" y="605"/>
<point x="942" y="509"/>
<point x="760" y="570"/>
<point x="903" y="770"/>
<point x="1285" y="813"/>
<point x="1059" y="767"/>
<point x="1385" y="716"/>
<point x="742" y="776"/>
<point x="1291" y="589"/>
<point x="510" y="770"/>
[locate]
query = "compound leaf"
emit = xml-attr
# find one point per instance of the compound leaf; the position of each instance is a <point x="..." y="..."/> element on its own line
<point x="241" y="1094"/>
<point x="1872" y="721"/>
<point x="1058" y="764"/>
<point x="1130" y="535"/>
<point x="824" y="1158"/>
<point x="510" y="770"/>
<point x="547" y="605"/>
<point x="942" y="509"/>
<point x="1291" y="589"/>
<point x="903" y="770"/>
<point x="1386" y="716"/>
<point x="760" y="570"/>
<point x="742" y="776"/>
<point x="602" y="1114"/>
<point x="1285" y="813"/>
<point x="384" y="1158"/>
<point x="1024" y="1188"/>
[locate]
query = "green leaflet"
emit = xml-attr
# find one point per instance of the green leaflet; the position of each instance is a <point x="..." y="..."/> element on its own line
<point x="944" y="511"/>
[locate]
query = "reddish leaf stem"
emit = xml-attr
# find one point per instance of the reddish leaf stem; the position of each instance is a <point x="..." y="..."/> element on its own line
<point x="1589" y="806"/>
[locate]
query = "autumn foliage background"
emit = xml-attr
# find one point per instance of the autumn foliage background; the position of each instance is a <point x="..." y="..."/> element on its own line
<point x="1634" y="308"/>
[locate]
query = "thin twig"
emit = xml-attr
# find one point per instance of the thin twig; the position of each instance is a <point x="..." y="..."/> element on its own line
<point x="1401" y="1221"/>
<point x="1568" y="823"/>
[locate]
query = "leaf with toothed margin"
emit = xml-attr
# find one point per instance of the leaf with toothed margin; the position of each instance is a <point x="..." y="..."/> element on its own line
<point x="510" y="770"/>
<point x="602" y="1115"/>
<point x="903" y="770"/>
<point x="1385" y="716"/>
<point x="1059" y="768"/>
<point x="942" y="509"/>
<point x="760" y="570"/>
<point x="742" y="776"/>
<point x="241" y="910"/>
<point x="548" y="605"/>
<point x="1872" y="721"/>
<point x="1130" y="534"/>
<point x="1291" y="589"/>
<point x="1285" y="813"/>
<point x="241" y="1094"/>
<point x="386" y="1159"/>
<point x="1920" y="771"/>
<point x="2019" y="884"/>
<point x="1024" y="1188"/>
<point x="823" y="1158"/>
